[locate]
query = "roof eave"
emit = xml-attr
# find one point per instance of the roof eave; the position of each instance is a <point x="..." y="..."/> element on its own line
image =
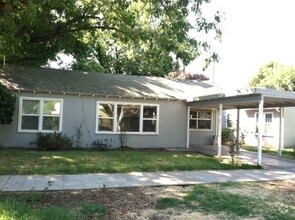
<point x="97" y="95"/>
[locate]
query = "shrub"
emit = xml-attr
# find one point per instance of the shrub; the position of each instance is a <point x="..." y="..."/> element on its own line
<point x="7" y="105"/>
<point x="53" y="141"/>
<point x="226" y="135"/>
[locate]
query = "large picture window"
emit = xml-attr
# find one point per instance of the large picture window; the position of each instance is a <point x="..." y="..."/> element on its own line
<point x="40" y="115"/>
<point x="200" y="119"/>
<point x="127" y="117"/>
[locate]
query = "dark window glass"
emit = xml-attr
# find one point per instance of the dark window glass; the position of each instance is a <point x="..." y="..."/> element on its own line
<point x="150" y="112"/>
<point x="105" y="124"/>
<point x="128" y="118"/>
<point x="200" y="119"/>
<point x="204" y="124"/>
<point x="193" y="114"/>
<point x="30" y="107"/>
<point x="30" y="122"/>
<point x="149" y="126"/>
<point x="50" y="123"/>
<point x="193" y="124"/>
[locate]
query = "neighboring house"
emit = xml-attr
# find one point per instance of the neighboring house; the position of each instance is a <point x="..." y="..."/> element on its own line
<point x="150" y="111"/>
<point x="272" y="123"/>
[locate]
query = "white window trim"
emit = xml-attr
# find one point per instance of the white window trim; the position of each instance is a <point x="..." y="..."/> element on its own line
<point x="264" y="123"/>
<point x="141" y="118"/>
<point x="197" y="129"/>
<point x="40" y="116"/>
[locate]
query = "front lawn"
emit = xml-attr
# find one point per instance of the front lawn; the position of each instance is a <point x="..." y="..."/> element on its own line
<point x="264" y="200"/>
<point x="21" y="161"/>
<point x="252" y="200"/>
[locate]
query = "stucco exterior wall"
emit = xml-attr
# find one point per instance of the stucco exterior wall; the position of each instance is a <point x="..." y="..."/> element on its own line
<point x="289" y="126"/>
<point x="81" y="110"/>
<point x="248" y="126"/>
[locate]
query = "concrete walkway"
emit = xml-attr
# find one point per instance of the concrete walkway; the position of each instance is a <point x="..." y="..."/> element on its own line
<point x="98" y="181"/>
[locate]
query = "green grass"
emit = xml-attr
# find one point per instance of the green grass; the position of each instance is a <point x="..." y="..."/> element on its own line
<point x="288" y="153"/>
<point x="93" y="209"/>
<point x="215" y="199"/>
<point x="21" y="161"/>
<point x="18" y="207"/>
<point x="210" y="200"/>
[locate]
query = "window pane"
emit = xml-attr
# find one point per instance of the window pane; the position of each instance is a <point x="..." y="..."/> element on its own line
<point x="105" y="124"/>
<point x="268" y="118"/>
<point x="30" y="107"/>
<point x="128" y="117"/>
<point x="193" y="114"/>
<point x="204" y="124"/>
<point x="149" y="126"/>
<point x="192" y="124"/>
<point x="50" y="123"/>
<point x="150" y="112"/>
<point x="204" y="115"/>
<point x="30" y="122"/>
<point x="106" y="110"/>
<point x="51" y="107"/>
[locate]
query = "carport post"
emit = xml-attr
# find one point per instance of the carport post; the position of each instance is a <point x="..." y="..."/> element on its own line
<point x="238" y="129"/>
<point x="187" y="127"/>
<point x="260" y="129"/>
<point x="281" y="143"/>
<point x="219" y="130"/>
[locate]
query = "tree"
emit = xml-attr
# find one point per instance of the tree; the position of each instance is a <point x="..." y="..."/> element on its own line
<point x="189" y="76"/>
<point x="7" y="105"/>
<point x="146" y="37"/>
<point x="275" y="75"/>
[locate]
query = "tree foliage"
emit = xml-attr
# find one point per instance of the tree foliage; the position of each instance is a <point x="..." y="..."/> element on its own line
<point x="275" y="75"/>
<point x="188" y="76"/>
<point x="7" y="105"/>
<point x="148" y="37"/>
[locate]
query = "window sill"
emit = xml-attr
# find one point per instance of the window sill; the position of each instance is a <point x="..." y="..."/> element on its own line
<point x="128" y="133"/>
<point x="36" y="131"/>
<point x="200" y="129"/>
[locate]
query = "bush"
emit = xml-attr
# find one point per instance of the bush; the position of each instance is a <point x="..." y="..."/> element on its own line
<point x="226" y="135"/>
<point x="7" y="105"/>
<point x="53" y="141"/>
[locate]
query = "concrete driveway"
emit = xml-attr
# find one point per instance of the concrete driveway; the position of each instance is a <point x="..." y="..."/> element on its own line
<point x="268" y="161"/>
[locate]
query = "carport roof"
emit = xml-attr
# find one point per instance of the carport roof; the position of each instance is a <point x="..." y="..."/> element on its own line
<point x="246" y="98"/>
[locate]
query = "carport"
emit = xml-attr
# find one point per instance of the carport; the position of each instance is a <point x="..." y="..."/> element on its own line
<point x="246" y="99"/>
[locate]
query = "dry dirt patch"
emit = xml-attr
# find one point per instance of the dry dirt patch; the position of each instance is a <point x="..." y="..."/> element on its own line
<point x="140" y="202"/>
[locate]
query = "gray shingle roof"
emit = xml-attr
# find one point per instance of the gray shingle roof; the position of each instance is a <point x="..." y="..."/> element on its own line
<point x="90" y="83"/>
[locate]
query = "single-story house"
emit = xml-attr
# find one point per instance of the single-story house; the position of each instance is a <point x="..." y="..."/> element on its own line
<point x="151" y="111"/>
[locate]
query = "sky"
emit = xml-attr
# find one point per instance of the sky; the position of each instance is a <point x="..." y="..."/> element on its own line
<point x="255" y="32"/>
